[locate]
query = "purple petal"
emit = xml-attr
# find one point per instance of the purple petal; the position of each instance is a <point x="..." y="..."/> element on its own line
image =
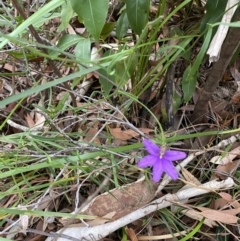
<point x="174" y="155"/>
<point x="147" y="161"/>
<point x="170" y="169"/>
<point x="157" y="171"/>
<point x="151" y="147"/>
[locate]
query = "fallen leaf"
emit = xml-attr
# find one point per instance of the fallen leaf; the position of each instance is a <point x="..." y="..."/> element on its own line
<point x="226" y="196"/>
<point x="122" y="200"/>
<point x="131" y="234"/>
<point x="125" y="135"/>
<point x="197" y="216"/>
<point x="29" y="120"/>
<point x="91" y="132"/>
<point x="189" y="177"/>
<point x="227" y="158"/>
<point x="224" y="170"/>
<point x="217" y="215"/>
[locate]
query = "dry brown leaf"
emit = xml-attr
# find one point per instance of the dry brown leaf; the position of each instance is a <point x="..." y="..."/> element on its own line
<point x="131" y="234"/>
<point x="218" y="203"/>
<point x="122" y="200"/>
<point x="226" y="196"/>
<point x="189" y="177"/>
<point x="29" y="120"/>
<point x="197" y="216"/>
<point x="217" y="215"/>
<point x="232" y="211"/>
<point x="125" y="135"/>
<point x="92" y="131"/>
<point x="235" y="204"/>
<point x="228" y="168"/>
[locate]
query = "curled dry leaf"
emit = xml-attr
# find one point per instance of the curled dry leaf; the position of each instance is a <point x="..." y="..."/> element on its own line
<point x="189" y="177"/>
<point x="122" y="200"/>
<point x="227" y="158"/>
<point x="125" y="135"/>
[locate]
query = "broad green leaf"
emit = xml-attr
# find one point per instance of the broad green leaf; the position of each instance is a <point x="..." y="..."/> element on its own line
<point x="122" y="25"/>
<point x="137" y="12"/>
<point x="66" y="15"/>
<point x="83" y="49"/>
<point x="106" y="85"/>
<point x="107" y="29"/>
<point x="190" y="74"/>
<point x="177" y="101"/>
<point x="215" y="11"/>
<point x="93" y="13"/>
<point x="188" y="83"/>
<point x="65" y="42"/>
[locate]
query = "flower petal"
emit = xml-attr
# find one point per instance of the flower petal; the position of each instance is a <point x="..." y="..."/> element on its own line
<point x="147" y="161"/>
<point x="170" y="169"/>
<point x="151" y="147"/>
<point x="174" y="155"/>
<point x="157" y="171"/>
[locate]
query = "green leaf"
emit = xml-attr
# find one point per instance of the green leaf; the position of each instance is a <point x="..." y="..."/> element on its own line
<point x="47" y="8"/>
<point x="65" y="42"/>
<point x="177" y="101"/>
<point x="106" y="85"/>
<point x="190" y="74"/>
<point x="66" y="15"/>
<point x="215" y="11"/>
<point x="137" y="12"/>
<point x="188" y="83"/>
<point x="93" y="13"/>
<point x="83" y="49"/>
<point x="122" y="25"/>
<point x="107" y="29"/>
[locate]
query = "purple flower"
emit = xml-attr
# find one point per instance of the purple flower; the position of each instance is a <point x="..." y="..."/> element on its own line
<point x="160" y="160"/>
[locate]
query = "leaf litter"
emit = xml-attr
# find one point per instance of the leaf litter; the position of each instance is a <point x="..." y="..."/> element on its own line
<point x="48" y="111"/>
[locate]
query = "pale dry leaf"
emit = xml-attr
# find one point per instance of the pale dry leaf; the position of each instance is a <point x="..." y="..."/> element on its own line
<point x="29" y="120"/>
<point x="217" y="215"/>
<point x="232" y="211"/>
<point x="39" y="118"/>
<point x="23" y="220"/>
<point x="235" y="204"/>
<point x="226" y="196"/>
<point x="71" y="29"/>
<point x="197" y="216"/>
<point x="16" y="229"/>
<point x="227" y="158"/>
<point x="102" y="220"/>
<point x="218" y="203"/>
<point x="189" y="177"/>
<point x="45" y="202"/>
<point x="40" y="122"/>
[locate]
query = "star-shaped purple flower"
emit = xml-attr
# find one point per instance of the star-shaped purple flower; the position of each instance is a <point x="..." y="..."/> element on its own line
<point x="160" y="160"/>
